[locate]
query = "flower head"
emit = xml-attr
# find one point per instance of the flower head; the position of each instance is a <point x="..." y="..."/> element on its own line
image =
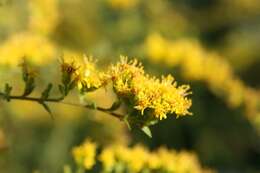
<point x="162" y="96"/>
<point x="90" y="77"/>
<point x="70" y="72"/>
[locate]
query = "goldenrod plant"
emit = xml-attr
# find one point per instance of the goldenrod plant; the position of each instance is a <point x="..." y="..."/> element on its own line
<point x="49" y="104"/>
<point x="121" y="158"/>
<point x="146" y="99"/>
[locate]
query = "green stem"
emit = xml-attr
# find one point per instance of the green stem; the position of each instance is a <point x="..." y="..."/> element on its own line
<point x="58" y="100"/>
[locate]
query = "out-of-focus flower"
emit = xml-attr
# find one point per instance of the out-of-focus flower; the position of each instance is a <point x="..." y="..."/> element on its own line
<point x="34" y="48"/>
<point x="85" y="154"/>
<point x="138" y="158"/>
<point x="156" y="47"/>
<point x="201" y="65"/>
<point x="44" y="16"/>
<point x="107" y="158"/>
<point x="123" y="4"/>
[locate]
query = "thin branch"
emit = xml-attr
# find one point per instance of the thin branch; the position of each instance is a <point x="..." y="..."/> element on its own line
<point x="58" y="100"/>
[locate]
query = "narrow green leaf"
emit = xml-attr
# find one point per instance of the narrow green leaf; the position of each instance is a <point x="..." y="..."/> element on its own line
<point x="8" y="88"/>
<point x="61" y="89"/>
<point x="72" y="85"/>
<point x="7" y="91"/>
<point x="47" y="108"/>
<point x="152" y="122"/>
<point x="147" y="131"/>
<point x="46" y="92"/>
<point x="127" y="122"/>
<point x="115" y="105"/>
<point x="29" y="86"/>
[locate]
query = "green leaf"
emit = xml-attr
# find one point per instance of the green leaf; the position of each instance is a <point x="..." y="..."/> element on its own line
<point x="147" y="131"/>
<point x="8" y="88"/>
<point x="47" y="108"/>
<point x="72" y="85"/>
<point x="115" y="105"/>
<point x="25" y="74"/>
<point x="46" y="92"/>
<point x="127" y="122"/>
<point x="29" y="86"/>
<point x="92" y="105"/>
<point x="7" y="91"/>
<point x="153" y="122"/>
<point x="61" y="89"/>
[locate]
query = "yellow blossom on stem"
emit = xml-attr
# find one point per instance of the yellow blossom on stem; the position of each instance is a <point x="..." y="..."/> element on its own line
<point x="70" y="73"/>
<point x="90" y="77"/>
<point x="162" y="96"/>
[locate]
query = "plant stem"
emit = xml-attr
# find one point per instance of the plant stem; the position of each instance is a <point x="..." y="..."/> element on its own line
<point x="58" y="100"/>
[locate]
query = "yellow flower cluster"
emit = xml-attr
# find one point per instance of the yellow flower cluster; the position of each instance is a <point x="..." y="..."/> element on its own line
<point x="43" y="15"/>
<point x="163" y="96"/>
<point x="138" y="158"/>
<point x="84" y="155"/>
<point x="130" y="82"/>
<point x="33" y="44"/>
<point x="91" y="78"/>
<point x="199" y="64"/>
<point x="35" y="48"/>
<point x="84" y="74"/>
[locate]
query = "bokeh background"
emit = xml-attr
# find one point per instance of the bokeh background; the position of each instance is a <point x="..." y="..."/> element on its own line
<point x="224" y="130"/>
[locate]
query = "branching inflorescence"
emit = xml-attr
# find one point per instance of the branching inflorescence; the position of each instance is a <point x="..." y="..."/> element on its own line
<point x="146" y="99"/>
